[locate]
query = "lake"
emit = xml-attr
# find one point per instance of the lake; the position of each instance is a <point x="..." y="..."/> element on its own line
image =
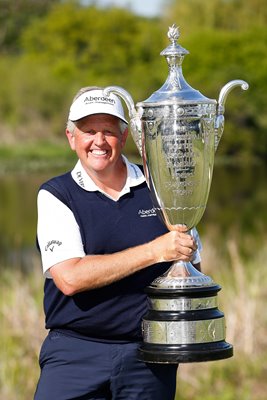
<point x="236" y="207"/>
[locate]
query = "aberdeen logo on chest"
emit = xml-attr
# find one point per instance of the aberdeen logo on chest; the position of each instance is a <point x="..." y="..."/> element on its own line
<point x="147" y="213"/>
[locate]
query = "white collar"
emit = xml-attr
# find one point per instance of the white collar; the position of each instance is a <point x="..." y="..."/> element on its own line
<point x="134" y="178"/>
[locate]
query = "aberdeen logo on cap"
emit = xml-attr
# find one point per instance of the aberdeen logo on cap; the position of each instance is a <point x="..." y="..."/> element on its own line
<point x="98" y="99"/>
<point x="96" y="102"/>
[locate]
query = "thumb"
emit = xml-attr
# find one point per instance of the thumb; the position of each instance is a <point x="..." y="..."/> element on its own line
<point x="180" y="228"/>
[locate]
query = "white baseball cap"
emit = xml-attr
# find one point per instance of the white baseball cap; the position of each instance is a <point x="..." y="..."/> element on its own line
<point x="95" y="102"/>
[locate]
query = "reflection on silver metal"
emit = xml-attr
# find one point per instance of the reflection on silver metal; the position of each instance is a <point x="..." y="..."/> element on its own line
<point x="177" y="131"/>
<point x="184" y="304"/>
<point x="184" y="332"/>
<point x="182" y="275"/>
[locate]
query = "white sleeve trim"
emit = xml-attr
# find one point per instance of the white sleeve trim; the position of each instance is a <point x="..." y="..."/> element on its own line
<point x="57" y="231"/>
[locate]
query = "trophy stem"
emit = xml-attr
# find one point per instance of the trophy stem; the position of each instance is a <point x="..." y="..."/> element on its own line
<point x="182" y="275"/>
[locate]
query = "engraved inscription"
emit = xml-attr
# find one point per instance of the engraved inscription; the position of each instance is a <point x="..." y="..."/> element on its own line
<point x="178" y="144"/>
<point x="183" y="304"/>
<point x="184" y="332"/>
<point x="154" y="332"/>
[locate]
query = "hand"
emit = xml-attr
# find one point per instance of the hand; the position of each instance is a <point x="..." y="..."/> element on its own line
<point x="176" y="245"/>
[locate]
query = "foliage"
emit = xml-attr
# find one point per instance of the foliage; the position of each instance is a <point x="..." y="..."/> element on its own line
<point x="227" y="40"/>
<point x="228" y="15"/>
<point x="63" y="45"/>
<point x="243" y="284"/>
<point x="74" y="46"/>
<point x="242" y="300"/>
<point x="15" y="16"/>
<point x="219" y="57"/>
<point x="21" y="334"/>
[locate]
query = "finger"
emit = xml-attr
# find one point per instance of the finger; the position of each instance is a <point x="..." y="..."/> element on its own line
<point x="189" y="252"/>
<point x="184" y="251"/>
<point x="186" y="241"/>
<point x="185" y="258"/>
<point x="180" y="228"/>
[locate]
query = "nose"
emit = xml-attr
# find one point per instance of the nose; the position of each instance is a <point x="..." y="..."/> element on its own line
<point x="99" y="138"/>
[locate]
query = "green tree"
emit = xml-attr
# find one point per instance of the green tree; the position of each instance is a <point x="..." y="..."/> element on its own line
<point x="234" y="15"/>
<point x="15" y="15"/>
<point x="73" y="45"/>
<point x="227" y="40"/>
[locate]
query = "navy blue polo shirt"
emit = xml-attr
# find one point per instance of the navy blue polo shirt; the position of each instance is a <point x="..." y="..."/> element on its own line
<point x="113" y="312"/>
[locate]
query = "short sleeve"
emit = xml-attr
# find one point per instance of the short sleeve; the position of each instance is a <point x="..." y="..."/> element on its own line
<point x="58" y="233"/>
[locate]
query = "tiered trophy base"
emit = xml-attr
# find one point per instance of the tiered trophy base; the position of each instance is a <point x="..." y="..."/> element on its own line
<point x="176" y="354"/>
<point x="183" y="323"/>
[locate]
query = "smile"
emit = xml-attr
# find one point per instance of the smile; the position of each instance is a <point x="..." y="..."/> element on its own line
<point x="99" y="152"/>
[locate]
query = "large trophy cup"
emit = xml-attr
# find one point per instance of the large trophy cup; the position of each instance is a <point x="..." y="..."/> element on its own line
<point x="177" y="131"/>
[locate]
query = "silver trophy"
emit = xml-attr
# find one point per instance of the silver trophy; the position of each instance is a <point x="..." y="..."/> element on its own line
<point x="177" y="131"/>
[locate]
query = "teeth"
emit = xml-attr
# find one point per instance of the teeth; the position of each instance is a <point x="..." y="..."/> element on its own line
<point x="99" y="152"/>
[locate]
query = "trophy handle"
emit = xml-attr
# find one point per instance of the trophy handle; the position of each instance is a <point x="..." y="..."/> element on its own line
<point x="219" y="121"/>
<point x="135" y="121"/>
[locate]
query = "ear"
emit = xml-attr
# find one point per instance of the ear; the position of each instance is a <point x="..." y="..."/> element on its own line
<point x="124" y="137"/>
<point x="71" y="139"/>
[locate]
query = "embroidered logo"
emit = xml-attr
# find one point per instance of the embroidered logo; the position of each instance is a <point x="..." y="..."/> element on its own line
<point x="99" y="99"/>
<point x="80" y="178"/>
<point x="147" y="213"/>
<point x="51" y="244"/>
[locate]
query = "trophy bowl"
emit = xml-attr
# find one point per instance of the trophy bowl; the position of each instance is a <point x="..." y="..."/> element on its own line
<point x="177" y="131"/>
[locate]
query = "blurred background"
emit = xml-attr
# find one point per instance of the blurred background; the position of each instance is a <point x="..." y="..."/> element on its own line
<point x="48" y="50"/>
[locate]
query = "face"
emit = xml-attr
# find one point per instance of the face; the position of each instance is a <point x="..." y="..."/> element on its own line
<point x="98" y="142"/>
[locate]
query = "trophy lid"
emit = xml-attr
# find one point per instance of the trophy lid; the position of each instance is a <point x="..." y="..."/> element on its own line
<point x="175" y="89"/>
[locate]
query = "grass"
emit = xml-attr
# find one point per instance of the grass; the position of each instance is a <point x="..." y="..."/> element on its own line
<point x="21" y="334"/>
<point x="243" y="299"/>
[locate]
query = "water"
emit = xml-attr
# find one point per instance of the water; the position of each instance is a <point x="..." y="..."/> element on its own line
<point x="236" y="207"/>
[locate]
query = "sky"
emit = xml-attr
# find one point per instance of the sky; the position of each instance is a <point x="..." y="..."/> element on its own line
<point x="147" y="8"/>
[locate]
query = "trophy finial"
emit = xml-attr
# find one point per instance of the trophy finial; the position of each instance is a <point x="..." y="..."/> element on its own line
<point x="173" y="33"/>
<point x="174" y="49"/>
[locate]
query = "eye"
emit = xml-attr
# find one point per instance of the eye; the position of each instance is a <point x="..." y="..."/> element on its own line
<point x="90" y="132"/>
<point x="107" y="132"/>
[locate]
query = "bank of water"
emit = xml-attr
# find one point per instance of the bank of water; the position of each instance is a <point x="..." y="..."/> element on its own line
<point x="236" y="208"/>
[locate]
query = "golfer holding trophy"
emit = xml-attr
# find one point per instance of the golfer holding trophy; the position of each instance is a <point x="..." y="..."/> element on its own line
<point x="177" y="131"/>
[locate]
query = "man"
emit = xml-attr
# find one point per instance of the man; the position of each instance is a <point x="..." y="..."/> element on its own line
<point x="99" y="252"/>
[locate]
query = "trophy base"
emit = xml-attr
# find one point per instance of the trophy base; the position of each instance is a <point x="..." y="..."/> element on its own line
<point x="176" y="354"/>
<point x="183" y="324"/>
